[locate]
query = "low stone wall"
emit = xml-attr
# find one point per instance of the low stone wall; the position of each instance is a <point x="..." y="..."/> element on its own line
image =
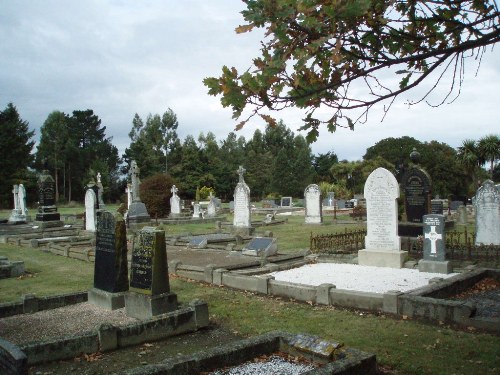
<point x="30" y="304"/>
<point x="108" y="337"/>
<point x="12" y="359"/>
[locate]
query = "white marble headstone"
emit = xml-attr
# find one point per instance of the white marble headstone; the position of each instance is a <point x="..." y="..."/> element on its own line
<point x="90" y="212"/>
<point x="242" y="217"/>
<point x="22" y="200"/>
<point x="487" y="204"/>
<point x="175" y="201"/>
<point x="312" y="195"/>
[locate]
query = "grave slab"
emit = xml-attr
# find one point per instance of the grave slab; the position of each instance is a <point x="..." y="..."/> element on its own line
<point x="261" y="246"/>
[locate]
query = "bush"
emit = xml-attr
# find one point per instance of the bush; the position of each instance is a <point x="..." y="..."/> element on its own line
<point x="155" y="194"/>
<point x="205" y="192"/>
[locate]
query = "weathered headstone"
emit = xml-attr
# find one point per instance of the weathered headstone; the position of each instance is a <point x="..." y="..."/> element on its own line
<point x="128" y="191"/>
<point x="242" y="217"/>
<point x="47" y="211"/>
<point x="90" y="210"/>
<point x="100" y="191"/>
<point x="437" y="206"/>
<point x="382" y="243"/>
<point x="212" y="206"/>
<point x="137" y="212"/>
<point x="175" y="202"/>
<point x="286" y="202"/>
<point x="196" y="210"/>
<point x="261" y="247"/>
<point x="18" y="214"/>
<point x="22" y="200"/>
<point x="462" y="215"/>
<point x="434" y="259"/>
<point x="149" y="285"/>
<point x="487" y="204"/>
<point x="110" y="267"/>
<point x="312" y="195"/>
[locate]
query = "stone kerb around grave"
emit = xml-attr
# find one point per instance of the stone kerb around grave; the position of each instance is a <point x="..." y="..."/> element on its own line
<point x="434" y="260"/>
<point x="382" y="243"/>
<point x="110" y="267"/>
<point x="149" y="293"/>
<point x="312" y="196"/>
<point x="487" y="204"/>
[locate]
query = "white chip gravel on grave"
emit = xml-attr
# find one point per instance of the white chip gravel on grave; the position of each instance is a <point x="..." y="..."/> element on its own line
<point x="358" y="278"/>
<point x="274" y="365"/>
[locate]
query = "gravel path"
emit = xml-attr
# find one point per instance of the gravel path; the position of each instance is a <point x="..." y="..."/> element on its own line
<point x="360" y="278"/>
<point x="64" y="321"/>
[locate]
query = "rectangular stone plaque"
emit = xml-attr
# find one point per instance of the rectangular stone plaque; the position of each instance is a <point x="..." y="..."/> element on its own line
<point x="261" y="246"/>
<point x="149" y="272"/>
<point x="315" y="345"/>
<point x="286" y="202"/>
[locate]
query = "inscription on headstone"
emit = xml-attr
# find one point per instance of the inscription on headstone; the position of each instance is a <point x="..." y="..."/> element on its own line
<point x="149" y="263"/>
<point x="434" y="238"/>
<point x="437" y="207"/>
<point x="417" y="188"/>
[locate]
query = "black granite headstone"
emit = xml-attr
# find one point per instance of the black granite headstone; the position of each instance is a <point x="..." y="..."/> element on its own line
<point x="149" y="272"/>
<point x="437" y="207"/>
<point x="111" y="270"/>
<point x="417" y="188"/>
<point x="47" y="211"/>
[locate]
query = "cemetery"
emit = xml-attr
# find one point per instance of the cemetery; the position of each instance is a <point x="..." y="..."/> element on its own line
<point x="135" y="256"/>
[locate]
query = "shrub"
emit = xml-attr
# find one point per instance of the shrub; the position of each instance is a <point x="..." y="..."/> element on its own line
<point x="155" y="194"/>
<point x="205" y="192"/>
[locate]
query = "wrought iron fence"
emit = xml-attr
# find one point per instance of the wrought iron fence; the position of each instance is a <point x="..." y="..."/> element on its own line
<point x="460" y="246"/>
<point x="339" y="243"/>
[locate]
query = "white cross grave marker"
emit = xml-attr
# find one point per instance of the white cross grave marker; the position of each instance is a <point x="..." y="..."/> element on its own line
<point x="433" y="236"/>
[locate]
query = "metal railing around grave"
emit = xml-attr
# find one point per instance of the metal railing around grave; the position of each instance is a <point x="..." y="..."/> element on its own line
<point x="459" y="246"/>
<point x="338" y="243"/>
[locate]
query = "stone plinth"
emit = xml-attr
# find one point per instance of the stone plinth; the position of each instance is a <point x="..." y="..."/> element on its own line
<point x="143" y="306"/>
<point x="435" y="266"/>
<point x="381" y="258"/>
<point x="137" y="213"/>
<point x="106" y="300"/>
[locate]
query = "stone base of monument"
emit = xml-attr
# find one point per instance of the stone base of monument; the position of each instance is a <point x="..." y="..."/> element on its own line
<point x="433" y="266"/>
<point x="48" y="224"/>
<point x="381" y="258"/>
<point x="243" y="231"/>
<point x="137" y="213"/>
<point x="106" y="300"/>
<point x="143" y="306"/>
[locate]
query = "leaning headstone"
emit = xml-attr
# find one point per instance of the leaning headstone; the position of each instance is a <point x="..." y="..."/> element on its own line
<point x="175" y="202"/>
<point x="47" y="215"/>
<point x="382" y="243"/>
<point x="434" y="260"/>
<point x="90" y="210"/>
<point x="261" y="247"/>
<point x="137" y="212"/>
<point x="149" y="284"/>
<point x="242" y="218"/>
<point x="487" y="204"/>
<point x="312" y="195"/>
<point x="110" y="267"/>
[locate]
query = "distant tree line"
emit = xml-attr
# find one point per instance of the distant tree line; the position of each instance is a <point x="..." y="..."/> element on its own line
<point x="278" y="163"/>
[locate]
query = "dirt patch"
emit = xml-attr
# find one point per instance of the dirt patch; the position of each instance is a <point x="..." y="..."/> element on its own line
<point x="486" y="295"/>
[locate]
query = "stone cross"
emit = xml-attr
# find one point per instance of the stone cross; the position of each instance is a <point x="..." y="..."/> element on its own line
<point x="433" y="236"/>
<point x="174" y="190"/>
<point x="240" y="172"/>
<point x="98" y="178"/>
<point x="135" y="181"/>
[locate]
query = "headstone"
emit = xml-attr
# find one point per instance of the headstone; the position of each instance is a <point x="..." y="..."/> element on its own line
<point x="434" y="259"/>
<point x="47" y="211"/>
<point x="18" y="214"/>
<point x="312" y="195"/>
<point x="455" y="204"/>
<point x="90" y="210"/>
<point x="198" y="242"/>
<point x="22" y="200"/>
<point x="196" y="210"/>
<point x="261" y="247"/>
<point x="175" y="202"/>
<point x="110" y="267"/>
<point x="341" y="203"/>
<point x="137" y="212"/>
<point x="231" y="206"/>
<point x="128" y="191"/>
<point x="462" y="215"/>
<point x="487" y="205"/>
<point x="149" y="284"/>
<point x="417" y="189"/>
<point x="437" y="206"/>
<point x="242" y="217"/>
<point x="331" y="198"/>
<point x="100" y="191"/>
<point x="382" y="243"/>
<point x="286" y="202"/>
<point x="212" y="207"/>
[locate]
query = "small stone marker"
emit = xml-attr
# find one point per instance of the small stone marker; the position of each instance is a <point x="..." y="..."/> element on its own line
<point x="261" y="246"/>
<point x="434" y="246"/>
<point x="198" y="242"/>
<point x="315" y="345"/>
<point x="196" y="211"/>
<point x="312" y="195"/>
<point x="149" y="285"/>
<point x="90" y="210"/>
<point x="382" y="243"/>
<point x="110" y="267"/>
<point x="286" y="202"/>
<point x="487" y="204"/>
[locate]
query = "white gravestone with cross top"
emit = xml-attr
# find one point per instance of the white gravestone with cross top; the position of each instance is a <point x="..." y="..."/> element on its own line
<point x="175" y="202"/>
<point x="434" y="259"/>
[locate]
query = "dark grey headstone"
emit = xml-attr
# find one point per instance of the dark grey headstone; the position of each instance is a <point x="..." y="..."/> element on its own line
<point x="286" y="202"/>
<point x="434" y="238"/>
<point x="437" y="207"/>
<point x="261" y="246"/>
<point x="110" y="270"/>
<point x="198" y="242"/>
<point x="149" y="272"/>
<point x="417" y="188"/>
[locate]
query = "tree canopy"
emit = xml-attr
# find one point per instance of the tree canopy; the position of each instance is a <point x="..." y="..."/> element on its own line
<point x="349" y="55"/>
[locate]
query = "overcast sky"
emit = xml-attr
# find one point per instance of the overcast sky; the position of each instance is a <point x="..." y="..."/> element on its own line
<point x="122" y="57"/>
